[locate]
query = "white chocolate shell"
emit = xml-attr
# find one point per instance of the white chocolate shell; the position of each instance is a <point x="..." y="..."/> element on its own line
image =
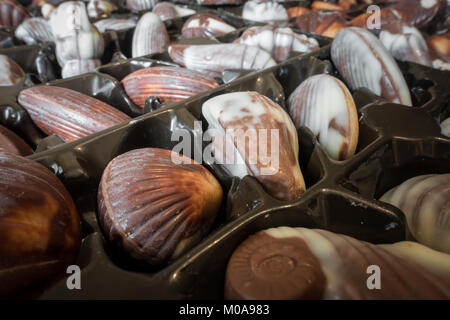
<point x="97" y="8"/>
<point x="323" y="104"/>
<point x="166" y="11"/>
<point x="270" y="154"/>
<point x="150" y="36"/>
<point x="363" y="61"/>
<point x="34" y="30"/>
<point x="425" y="201"/>
<point x="76" y="67"/>
<point x="264" y="11"/>
<point x="114" y="24"/>
<point x="204" y="25"/>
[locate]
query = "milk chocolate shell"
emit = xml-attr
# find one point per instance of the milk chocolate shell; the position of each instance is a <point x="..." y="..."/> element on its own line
<point x="155" y="206"/>
<point x="425" y="201"/>
<point x="11" y="143"/>
<point x="363" y="61"/>
<point x="10" y="72"/>
<point x="252" y="135"/>
<point x="39" y="226"/>
<point x="69" y="114"/>
<point x="324" y="105"/>
<point x="288" y="263"/>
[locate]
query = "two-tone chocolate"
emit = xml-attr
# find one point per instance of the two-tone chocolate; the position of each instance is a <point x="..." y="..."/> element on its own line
<point x="76" y="67"/>
<point x="114" y="24"/>
<point x="167" y="10"/>
<point x="264" y="11"/>
<point x="155" y="204"/>
<point x="327" y="24"/>
<point x="34" y="30"/>
<point x="10" y="72"/>
<point x="150" y="36"/>
<point x="12" y="143"/>
<point x="99" y="8"/>
<point x="204" y="25"/>
<point x="140" y="5"/>
<point x="12" y="13"/>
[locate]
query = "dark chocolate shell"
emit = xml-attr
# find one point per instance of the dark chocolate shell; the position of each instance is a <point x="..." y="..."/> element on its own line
<point x="40" y="229"/>
<point x="12" y="143"/>
<point x="155" y="203"/>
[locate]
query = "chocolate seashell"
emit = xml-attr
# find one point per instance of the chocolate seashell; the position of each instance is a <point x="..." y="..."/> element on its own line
<point x="264" y="11"/>
<point x="114" y="24"/>
<point x="34" y="30"/>
<point x="405" y="43"/>
<point x="154" y="208"/>
<point x="140" y="5"/>
<point x="76" y="67"/>
<point x="445" y="127"/>
<point x="254" y="136"/>
<point x="150" y="36"/>
<point x="296" y="11"/>
<point x="332" y="117"/>
<point x="279" y="42"/>
<point x="416" y="13"/>
<point x="12" y="13"/>
<point x="12" y="143"/>
<point x="215" y="58"/>
<point x="299" y="263"/>
<point x="204" y="25"/>
<point x="166" y="83"/>
<point x="166" y="11"/>
<point x="40" y="230"/>
<point x="363" y="61"/>
<point x="425" y="201"/>
<point x="10" y="72"/>
<point x="69" y="114"/>
<point x="440" y="44"/>
<point x="322" y="5"/>
<point x="98" y="8"/>
<point x="327" y="24"/>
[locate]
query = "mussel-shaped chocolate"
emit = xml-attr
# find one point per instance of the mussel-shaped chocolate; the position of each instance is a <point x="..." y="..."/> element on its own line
<point x="264" y="11"/>
<point x="33" y="31"/>
<point x="363" y="61"/>
<point x="252" y="135"/>
<point x="327" y="24"/>
<point x="140" y="5"/>
<point x="323" y="104"/>
<point x="166" y="83"/>
<point x="425" y="201"/>
<point x="279" y="42"/>
<point x="40" y="231"/>
<point x="204" y="25"/>
<point x="166" y="11"/>
<point x="10" y="72"/>
<point x="150" y="36"/>
<point x="12" y="13"/>
<point x="156" y="204"/>
<point x="405" y="43"/>
<point x="445" y="127"/>
<point x="298" y="263"/>
<point x="76" y="67"/>
<point x="215" y="58"/>
<point x="69" y="114"/>
<point x="12" y="143"/>
<point x="98" y="8"/>
<point x="114" y="24"/>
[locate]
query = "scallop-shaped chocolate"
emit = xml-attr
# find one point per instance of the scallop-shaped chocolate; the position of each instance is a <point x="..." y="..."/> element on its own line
<point x="140" y="5"/>
<point x="114" y="24"/>
<point x="252" y="135"/>
<point x="425" y="201"/>
<point x="12" y="13"/>
<point x="264" y="11"/>
<point x="40" y="229"/>
<point x="445" y="127"/>
<point x="12" y="143"/>
<point x="69" y="114"/>
<point x="150" y="36"/>
<point x="156" y="204"/>
<point x="323" y="104"/>
<point x="10" y="72"/>
<point x="167" y="83"/>
<point x="33" y="31"/>
<point x="166" y="11"/>
<point x="299" y="263"/>
<point x="363" y="61"/>
<point x="204" y="25"/>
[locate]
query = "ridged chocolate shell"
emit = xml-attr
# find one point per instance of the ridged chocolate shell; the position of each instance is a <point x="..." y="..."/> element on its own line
<point x="12" y="143"/>
<point x="166" y="11"/>
<point x="270" y="155"/>
<point x="405" y="43"/>
<point x="114" y="24"/>
<point x="279" y="42"/>
<point x="299" y="263"/>
<point x="327" y="24"/>
<point x="12" y="13"/>
<point x="140" y="5"/>
<point x="97" y="8"/>
<point x="204" y="25"/>
<point x="76" y="67"/>
<point x="264" y="11"/>
<point x="10" y="72"/>
<point x="425" y="201"/>
<point x="363" y="61"/>
<point x="33" y="31"/>
<point x="69" y="114"/>
<point x="150" y="36"/>
<point x="215" y="58"/>
<point x="167" y="83"/>
<point x="40" y="231"/>
<point x="156" y="209"/>
<point x="445" y="127"/>
<point x="332" y="117"/>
